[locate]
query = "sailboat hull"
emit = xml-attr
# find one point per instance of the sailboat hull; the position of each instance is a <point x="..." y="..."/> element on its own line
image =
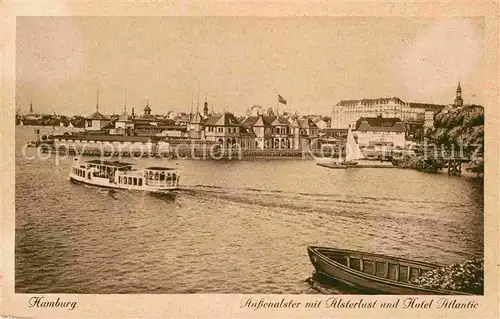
<point x="350" y="163"/>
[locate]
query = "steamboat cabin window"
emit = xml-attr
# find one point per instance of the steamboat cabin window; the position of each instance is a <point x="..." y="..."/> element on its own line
<point x="135" y="181"/>
<point x="130" y="180"/>
<point x="140" y="181"/>
<point x="125" y="180"/>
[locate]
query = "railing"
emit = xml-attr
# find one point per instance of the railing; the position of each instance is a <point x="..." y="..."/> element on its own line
<point x="451" y="155"/>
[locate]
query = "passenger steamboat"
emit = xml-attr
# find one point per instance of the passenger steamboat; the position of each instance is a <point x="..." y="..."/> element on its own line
<point x="121" y="175"/>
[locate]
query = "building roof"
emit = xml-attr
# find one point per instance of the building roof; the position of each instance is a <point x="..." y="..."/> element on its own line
<point x="426" y="106"/>
<point x="109" y="163"/>
<point x="109" y="126"/>
<point x="316" y="120"/>
<point x="263" y="120"/>
<point x="306" y="123"/>
<point x="382" y="100"/>
<point x="370" y="101"/>
<point x="379" y="124"/>
<point x="279" y="121"/>
<point x="158" y="168"/>
<point x="106" y="137"/>
<point x="96" y="116"/>
<point x="226" y="119"/>
<point x="148" y="117"/>
<point x="245" y="131"/>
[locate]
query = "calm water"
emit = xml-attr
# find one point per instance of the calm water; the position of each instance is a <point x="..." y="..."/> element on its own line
<point x="237" y="227"/>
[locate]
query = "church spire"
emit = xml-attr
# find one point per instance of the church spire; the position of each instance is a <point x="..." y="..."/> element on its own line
<point x="458" y="99"/>
<point x="205" y="107"/>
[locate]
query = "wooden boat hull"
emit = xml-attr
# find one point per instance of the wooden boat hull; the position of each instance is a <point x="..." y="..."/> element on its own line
<point x="338" y="264"/>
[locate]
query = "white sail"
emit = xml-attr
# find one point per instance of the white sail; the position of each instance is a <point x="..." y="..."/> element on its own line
<point x="352" y="148"/>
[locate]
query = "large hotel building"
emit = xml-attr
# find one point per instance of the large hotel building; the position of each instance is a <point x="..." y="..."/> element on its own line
<point x="347" y="112"/>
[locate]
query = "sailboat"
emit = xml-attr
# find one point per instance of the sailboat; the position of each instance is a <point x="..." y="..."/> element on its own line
<point x="353" y="152"/>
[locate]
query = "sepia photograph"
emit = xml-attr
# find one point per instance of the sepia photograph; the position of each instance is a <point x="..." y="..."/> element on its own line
<point x="249" y="155"/>
<point x="249" y="160"/>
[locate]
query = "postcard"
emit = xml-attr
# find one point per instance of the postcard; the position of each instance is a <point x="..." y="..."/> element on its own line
<point x="250" y="160"/>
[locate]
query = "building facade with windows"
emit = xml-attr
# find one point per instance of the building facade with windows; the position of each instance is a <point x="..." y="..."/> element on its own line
<point x="347" y="112"/>
<point x="96" y="121"/>
<point x="381" y="131"/>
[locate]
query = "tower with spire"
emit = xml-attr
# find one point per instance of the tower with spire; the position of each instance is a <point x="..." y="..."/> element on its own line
<point x="458" y="99"/>
<point x="205" y="108"/>
<point x="96" y="121"/>
<point x="147" y="109"/>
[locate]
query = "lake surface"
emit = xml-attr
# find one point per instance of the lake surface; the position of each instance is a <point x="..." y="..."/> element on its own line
<point x="239" y="226"/>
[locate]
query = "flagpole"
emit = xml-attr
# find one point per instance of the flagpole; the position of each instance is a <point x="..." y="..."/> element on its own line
<point x="277" y="104"/>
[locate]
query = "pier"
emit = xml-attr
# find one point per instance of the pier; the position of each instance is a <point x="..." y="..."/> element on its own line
<point x="327" y="165"/>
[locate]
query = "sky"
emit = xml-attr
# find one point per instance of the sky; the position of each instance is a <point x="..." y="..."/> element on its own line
<point x="174" y="63"/>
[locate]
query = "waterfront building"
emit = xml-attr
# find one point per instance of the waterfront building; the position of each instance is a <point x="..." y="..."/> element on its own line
<point x="261" y="126"/>
<point x="303" y="133"/>
<point x="372" y="131"/>
<point x="196" y="126"/>
<point x="96" y="121"/>
<point x="347" y="112"/>
<point x="280" y="133"/>
<point x="277" y="132"/>
<point x="124" y="125"/>
<point x="332" y="136"/>
<point x="321" y="123"/>
<point x="225" y="130"/>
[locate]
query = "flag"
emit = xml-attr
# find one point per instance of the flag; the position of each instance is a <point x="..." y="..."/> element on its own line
<point x="281" y="99"/>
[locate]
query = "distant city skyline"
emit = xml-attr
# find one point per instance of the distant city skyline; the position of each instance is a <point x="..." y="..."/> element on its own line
<point x="237" y="62"/>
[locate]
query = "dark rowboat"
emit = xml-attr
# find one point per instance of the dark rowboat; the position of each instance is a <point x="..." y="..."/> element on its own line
<point x="373" y="272"/>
